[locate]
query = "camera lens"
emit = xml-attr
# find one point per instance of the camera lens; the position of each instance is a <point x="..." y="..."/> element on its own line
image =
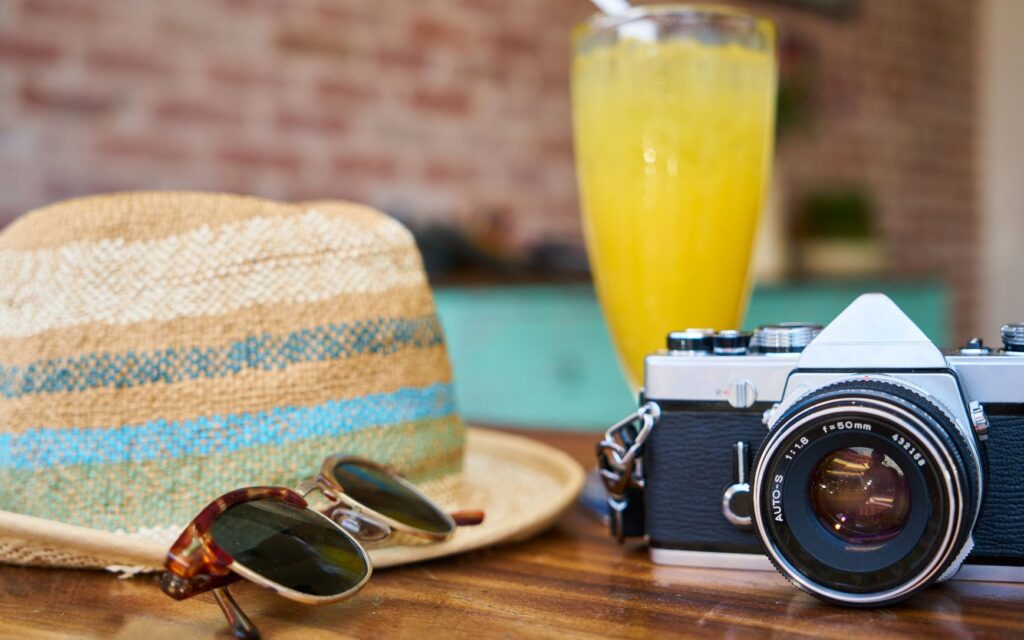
<point x="860" y="495"/>
<point x="865" y="491"/>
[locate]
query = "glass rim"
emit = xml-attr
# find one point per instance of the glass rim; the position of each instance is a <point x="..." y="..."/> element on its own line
<point x="697" y="13"/>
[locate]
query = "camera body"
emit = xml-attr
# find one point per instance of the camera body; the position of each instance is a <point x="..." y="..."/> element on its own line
<point x="860" y="460"/>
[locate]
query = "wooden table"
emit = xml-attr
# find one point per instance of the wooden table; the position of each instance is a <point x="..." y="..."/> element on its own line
<point x="571" y="581"/>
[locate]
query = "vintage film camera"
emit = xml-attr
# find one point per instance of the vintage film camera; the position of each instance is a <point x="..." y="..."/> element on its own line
<point x="860" y="460"/>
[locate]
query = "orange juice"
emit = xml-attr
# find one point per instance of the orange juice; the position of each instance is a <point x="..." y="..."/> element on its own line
<point x="673" y="147"/>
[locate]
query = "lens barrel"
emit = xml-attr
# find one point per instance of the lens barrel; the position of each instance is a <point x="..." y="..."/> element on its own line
<point x="865" y="491"/>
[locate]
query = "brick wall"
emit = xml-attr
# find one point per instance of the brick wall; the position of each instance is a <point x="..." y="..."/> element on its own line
<point x="432" y="108"/>
<point x="449" y="109"/>
<point x="896" y="112"/>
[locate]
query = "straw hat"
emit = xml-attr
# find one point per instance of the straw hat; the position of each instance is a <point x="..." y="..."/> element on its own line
<point x="158" y="349"/>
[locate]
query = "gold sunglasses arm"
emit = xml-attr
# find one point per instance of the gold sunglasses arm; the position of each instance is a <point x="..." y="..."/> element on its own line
<point x="240" y="625"/>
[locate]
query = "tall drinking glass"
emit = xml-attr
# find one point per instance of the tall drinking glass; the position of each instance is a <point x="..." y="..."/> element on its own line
<point x="673" y="111"/>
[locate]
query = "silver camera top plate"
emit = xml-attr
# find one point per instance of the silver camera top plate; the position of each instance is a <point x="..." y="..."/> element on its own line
<point x="870" y="335"/>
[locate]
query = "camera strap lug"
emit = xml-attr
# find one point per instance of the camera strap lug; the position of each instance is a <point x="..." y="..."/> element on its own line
<point x="620" y="463"/>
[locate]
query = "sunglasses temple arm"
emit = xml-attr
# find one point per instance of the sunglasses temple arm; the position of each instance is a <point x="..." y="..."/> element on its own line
<point x="240" y="624"/>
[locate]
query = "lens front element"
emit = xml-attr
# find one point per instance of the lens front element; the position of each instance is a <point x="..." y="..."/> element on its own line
<point x="860" y="495"/>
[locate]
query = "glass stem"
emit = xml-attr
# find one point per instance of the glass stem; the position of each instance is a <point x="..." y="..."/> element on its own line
<point x="240" y="625"/>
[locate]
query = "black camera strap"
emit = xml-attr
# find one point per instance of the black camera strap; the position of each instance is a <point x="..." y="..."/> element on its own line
<point x="620" y="463"/>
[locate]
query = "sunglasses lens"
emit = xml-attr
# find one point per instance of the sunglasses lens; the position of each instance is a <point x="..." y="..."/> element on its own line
<point x="380" y="491"/>
<point x="295" y="548"/>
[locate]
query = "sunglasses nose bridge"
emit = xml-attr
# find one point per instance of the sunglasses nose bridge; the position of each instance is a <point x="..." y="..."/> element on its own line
<point x="310" y="485"/>
<point x="362" y="526"/>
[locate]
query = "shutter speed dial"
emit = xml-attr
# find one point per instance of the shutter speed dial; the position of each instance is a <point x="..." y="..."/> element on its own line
<point x="1013" y="337"/>
<point x="786" y="337"/>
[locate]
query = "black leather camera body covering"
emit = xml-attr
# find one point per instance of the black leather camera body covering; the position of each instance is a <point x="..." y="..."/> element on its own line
<point x="688" y="464"/>
<point x="689" y="461"/>
<point x="999" y="532"/>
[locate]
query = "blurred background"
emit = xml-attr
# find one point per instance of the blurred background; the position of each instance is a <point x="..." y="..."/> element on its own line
<point x="898" y="160"/>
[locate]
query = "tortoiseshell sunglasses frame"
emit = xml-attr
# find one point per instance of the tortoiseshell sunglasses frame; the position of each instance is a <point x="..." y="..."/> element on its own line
<point x="196" y="564"/>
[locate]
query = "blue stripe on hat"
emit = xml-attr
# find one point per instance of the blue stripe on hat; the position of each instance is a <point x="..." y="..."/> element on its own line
<point x="44" y="447"/>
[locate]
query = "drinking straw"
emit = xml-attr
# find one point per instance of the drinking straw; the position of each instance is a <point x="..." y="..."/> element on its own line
<point x="613" y="7"/>
<point x="641" y="31"/>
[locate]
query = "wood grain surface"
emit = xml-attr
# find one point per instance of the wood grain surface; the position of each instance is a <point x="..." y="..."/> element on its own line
<point x="571" y="581"/>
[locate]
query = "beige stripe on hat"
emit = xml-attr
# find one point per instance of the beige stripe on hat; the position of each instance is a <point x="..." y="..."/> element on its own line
<point x="203" y="272"/>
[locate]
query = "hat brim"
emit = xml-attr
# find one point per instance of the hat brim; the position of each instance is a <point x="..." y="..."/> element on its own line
<point x="521" y="484"/>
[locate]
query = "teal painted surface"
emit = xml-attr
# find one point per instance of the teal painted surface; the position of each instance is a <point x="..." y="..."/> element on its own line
<point x="927" y="303"/>
<point x="540" y="355"/>
<point x="532" y="356"/>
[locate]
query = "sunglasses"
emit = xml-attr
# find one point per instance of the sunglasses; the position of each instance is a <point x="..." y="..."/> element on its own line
<point x="272" y="537"/>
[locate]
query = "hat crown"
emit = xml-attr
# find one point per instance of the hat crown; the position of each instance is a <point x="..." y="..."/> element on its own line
<point x="158" y="349"/>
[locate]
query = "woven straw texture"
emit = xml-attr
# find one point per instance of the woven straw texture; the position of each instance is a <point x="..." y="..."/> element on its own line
<point x="159" y="349"/>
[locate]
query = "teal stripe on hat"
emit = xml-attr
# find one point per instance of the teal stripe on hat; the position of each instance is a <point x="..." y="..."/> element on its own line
<point x="43" y="447"/>
<point x="168" y="492"/>
<point x="264" y="352"/>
